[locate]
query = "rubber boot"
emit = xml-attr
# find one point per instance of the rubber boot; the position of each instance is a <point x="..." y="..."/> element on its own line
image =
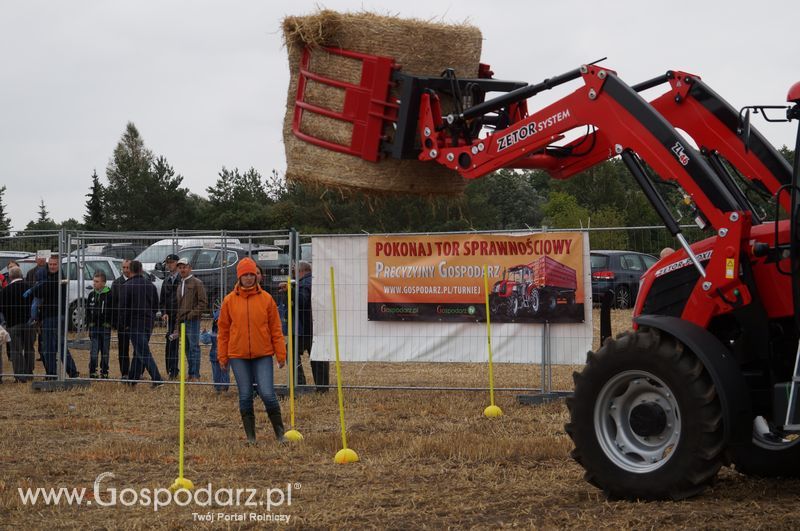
<point x="249" y="422"/>
<point x="277" y="424"/>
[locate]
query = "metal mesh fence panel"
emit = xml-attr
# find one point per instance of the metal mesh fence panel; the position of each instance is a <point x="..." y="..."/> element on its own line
<point x="105" y="342"/>
<point x="121" y="324"/>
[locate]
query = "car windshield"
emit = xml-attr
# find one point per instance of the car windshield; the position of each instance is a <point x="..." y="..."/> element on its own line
<point x="24" y="267"/>
<point x="155" y="253"/>
<point x="599" y="261"/>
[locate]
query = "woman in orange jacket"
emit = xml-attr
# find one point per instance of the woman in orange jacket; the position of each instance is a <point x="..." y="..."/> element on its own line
<point x="249" y="338"/>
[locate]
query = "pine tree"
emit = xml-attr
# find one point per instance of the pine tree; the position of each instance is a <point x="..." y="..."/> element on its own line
<point x="43" y="221"/>
<point x="143" y="191"/>
<point x="44" y="215"/>
<point x="94" y="218"/>
<point x="5" y="221"/>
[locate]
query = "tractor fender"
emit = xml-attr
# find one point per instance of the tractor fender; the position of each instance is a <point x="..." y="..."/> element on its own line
<point x="724" y="370"/>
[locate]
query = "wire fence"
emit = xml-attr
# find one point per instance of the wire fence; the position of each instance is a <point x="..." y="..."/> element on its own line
<point x="82" y="316"/>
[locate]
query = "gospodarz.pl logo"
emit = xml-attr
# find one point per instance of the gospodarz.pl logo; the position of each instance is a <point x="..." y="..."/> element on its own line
<point x="103" y="494"/>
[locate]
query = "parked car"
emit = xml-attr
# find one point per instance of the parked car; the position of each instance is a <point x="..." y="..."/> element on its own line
<point x="157" y="252"/>
<point x="216" y="267"/>
<point x="619" y="272"/>
<point x="7" y="256"/>
<point x="76" y="301"/>
<point x="124" y="250"/>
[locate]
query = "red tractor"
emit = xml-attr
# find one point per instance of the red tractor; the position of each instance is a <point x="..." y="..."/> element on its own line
<point x="710" y="374"/>
<point x="508" y="294"/>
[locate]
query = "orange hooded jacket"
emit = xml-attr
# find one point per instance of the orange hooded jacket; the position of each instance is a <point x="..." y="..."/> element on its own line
<point x="249" y="326"/>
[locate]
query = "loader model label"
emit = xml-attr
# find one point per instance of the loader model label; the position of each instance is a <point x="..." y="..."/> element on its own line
<point x="530" y="129"/>
<point x="702" y="257"/>
<point x="679" y="151"/>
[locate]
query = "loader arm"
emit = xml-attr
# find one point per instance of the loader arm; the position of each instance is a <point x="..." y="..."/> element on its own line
<point x="621" y="123"/>
<point x="691" y="105"/>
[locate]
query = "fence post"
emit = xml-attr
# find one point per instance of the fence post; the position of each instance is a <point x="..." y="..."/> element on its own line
<point x="605" y="316"/>
<point x="61" y="335"/>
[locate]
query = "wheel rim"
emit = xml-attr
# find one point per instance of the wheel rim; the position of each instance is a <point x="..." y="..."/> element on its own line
<point x="637" y="421"/>
<point x="77" y="316"/>
<point x="775" y="442"/>
<point x="535" y="301"/>
<point x="623" y="298"/>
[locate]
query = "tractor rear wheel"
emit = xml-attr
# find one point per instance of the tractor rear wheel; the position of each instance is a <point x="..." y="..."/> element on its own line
<point x="494" y="304"/>
<point x="646" y="420"/>
<point x="537" y="301"/>
<point x="769" y="456"/>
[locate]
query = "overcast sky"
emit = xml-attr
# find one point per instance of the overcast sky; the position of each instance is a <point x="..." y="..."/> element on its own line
<point x="205" y="82"/>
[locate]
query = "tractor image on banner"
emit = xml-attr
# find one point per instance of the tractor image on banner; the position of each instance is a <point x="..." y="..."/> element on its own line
<point x="537" y="288"/>
<point x="533" y="278"/>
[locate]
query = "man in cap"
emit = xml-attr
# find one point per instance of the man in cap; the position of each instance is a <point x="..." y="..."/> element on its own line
<point x="192" y="302"/>
<point x="169" y="308"/>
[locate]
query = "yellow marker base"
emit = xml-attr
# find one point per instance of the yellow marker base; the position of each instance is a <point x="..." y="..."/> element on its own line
<point x="293" y="436"/>
<point x="346" y="455"/>
<point x="492" y="411"/>
<point x="181" y="483"/>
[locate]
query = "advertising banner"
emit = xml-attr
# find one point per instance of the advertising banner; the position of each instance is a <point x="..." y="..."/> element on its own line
<point x="532" y="278"/>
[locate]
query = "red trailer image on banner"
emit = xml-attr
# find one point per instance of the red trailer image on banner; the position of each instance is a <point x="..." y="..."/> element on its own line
<point x="532" y="278"/>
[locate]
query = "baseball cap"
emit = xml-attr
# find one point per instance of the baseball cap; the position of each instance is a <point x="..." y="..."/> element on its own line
<point x="184" y="261"/>
<point x="171" y="257"/>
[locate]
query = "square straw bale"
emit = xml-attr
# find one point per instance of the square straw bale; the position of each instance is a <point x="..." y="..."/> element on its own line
<point x="421" y="47"/>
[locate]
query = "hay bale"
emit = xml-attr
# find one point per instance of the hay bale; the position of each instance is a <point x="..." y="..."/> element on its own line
<point x="421" y="47"/>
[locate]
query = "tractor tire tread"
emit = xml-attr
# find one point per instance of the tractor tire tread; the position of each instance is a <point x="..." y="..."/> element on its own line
<point x="702" y="453"/>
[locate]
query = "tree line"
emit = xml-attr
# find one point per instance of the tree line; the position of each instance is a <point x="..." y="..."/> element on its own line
<point x="142" y="191"/>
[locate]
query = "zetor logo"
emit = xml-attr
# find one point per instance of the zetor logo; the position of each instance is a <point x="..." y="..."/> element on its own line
<point x="678" y="149"/>
<point x="530" y="129"/>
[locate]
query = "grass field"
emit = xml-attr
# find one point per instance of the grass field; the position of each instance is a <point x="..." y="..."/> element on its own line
<point x="428" y="459"/>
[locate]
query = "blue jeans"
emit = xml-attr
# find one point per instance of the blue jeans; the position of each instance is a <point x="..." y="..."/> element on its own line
<point x="142" y="357"/>
<point x="193" y="347"/>
<point x="50" y="344"/>
<point x="101" y="342"/>
<point x="254" y="371"/>
<point x="220" y="376"/>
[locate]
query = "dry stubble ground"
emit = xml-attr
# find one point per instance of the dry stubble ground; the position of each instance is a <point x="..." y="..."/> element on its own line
<point x="428" y="459"/>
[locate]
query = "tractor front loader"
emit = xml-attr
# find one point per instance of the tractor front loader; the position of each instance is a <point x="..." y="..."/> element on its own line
<point x="710" y="373"/>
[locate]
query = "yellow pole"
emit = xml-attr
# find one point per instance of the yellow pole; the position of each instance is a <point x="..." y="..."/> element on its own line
<point x="291" y="350"/>
<point x="181" y="482"/>
<point x="291" y="435"/>
<point x="345" y="455"/>
<point x="492" y="410"/>
<point x="183" y="399"/>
